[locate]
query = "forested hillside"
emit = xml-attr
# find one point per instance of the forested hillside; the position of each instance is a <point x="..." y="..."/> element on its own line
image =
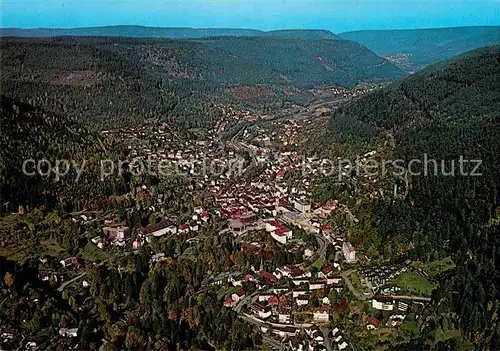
<point x="116" y="81"/>
<point x="91" y="84"/>
<point x="446" y="111"/>
<point x="163" y="32"/>
<point x="29" y="133"/>
<point x="416" y="48"/>
<point x="232" y="61"/>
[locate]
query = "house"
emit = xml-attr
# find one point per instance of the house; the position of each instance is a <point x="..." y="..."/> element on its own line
<point x="329" y="206"/>
<point x="262" y="311"/>
<point x="395" y="320"/>
<point x="302" y="301"/>
<point x="273" y="301"/>
<point x="316" y="285"/>
<point x="308" y="252"/>
<point x="235" y="282"/>
<point x="297" y="293"/>
<point x="285" y="331"/>
<point x="300" y="281"/>
<point x="285" y="314"/>
<point x="117" y="235"/>
<point x="349" y="252"/>
<point x="279" y="232"/>
<point x="228" y="302"/>
<point x="267" y="277"/>
<point x="372" y="323"/>
<point x="158" y="229"/>
<point x="183" y="228"/>
<point x="334" y="281"/>
<point x="302" y="205"/>
<point x="137" y="243"/>
<point x="264" y="297"/>
<point x="325" y="301"/>
<point x="326" y="229"/>
<point x="383" y="304"/>
<point x="69" y="261"/>
<point x="238" y="295"/>
<point x="295" y="344"/>
<point x="321" y="314"/>
<point x="342" y="346"/>
<point x="325" y="272"/>
<point x="71" y="332"/>
<point x="315" y="334"/>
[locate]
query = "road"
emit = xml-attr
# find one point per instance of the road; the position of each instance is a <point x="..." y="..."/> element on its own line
<point x="359" y="296"/>
<point x="65" y="284"/>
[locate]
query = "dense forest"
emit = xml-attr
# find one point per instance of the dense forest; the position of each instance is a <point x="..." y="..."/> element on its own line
<point x="95" y="86"/>
<point x="30" y="133"/>
<point x="425" y="46"/>
<point x="445" y="111"/>
<point x="110" y="81"/>
<point x="164" y="32"/>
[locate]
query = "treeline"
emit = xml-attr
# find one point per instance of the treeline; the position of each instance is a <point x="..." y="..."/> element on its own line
<point x="447" y="112"/>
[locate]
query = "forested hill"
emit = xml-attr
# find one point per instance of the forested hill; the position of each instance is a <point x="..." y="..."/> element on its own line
<point x="263" y="60"/>
<point x="88" y="82"/>
<point x="30" y="133"/>
<point x="163" y="32"/>
<point x="416" y="48"/>
<point x="302" y="34"/>
<point x="446" y="111"/>
<point x="113" y="81"/>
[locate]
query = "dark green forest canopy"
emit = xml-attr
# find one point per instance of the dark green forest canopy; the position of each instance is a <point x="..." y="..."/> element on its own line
<point x="445" y="111"/>
<point x="111" y="81"/>
<point x="425" y="46"/>
<point x="164" y="32"/>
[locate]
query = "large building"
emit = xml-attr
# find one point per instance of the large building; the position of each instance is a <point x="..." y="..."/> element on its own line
<point x="349" y="252"/>
<point x="117" y="235"/>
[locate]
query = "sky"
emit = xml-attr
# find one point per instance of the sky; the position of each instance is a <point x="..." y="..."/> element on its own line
<point x="337" y="16"/>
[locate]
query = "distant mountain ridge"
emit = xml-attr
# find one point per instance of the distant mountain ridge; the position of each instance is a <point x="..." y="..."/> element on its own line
<point x="165" y="32"/>
<point x="413" y="49"/>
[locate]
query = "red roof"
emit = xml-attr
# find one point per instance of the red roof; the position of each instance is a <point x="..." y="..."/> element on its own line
<point x="204" y="213"/>
<point x="267" y="275"/>
<point x="283" y="203"/>
<point x="228" y="302"/>
<point x="240" y="292"/>
<point x="273" y="300"/>
<point x="326" y="228"/>
<point x="373" y="321"/>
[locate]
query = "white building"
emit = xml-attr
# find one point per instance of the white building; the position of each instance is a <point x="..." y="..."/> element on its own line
<point x="349" y="252"/>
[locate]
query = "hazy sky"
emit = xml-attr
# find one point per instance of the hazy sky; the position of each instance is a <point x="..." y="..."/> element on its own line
<point x="336" y="16"/>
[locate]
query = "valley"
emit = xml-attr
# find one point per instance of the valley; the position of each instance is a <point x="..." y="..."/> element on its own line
<point x="239" y="189"/>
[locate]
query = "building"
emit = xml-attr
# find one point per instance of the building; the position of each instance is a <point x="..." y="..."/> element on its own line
<point x="302" y="205"/>
<point x="285" y="331"/>
<point x="117" y="235"/>
<point x="279" y="232"/>
<point x="261" y="310"/>
<point x="159" y="229"/>
<point x="316" y="285"/>
<point x="69" y="261"/>
<point x="383" y="304"/>
<point x="238" y="295"/>
<point x="71" y="332"/>
<point x="349" y="252"/>
<point x="321" y="314"/>
<point x="372" y="323"/>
